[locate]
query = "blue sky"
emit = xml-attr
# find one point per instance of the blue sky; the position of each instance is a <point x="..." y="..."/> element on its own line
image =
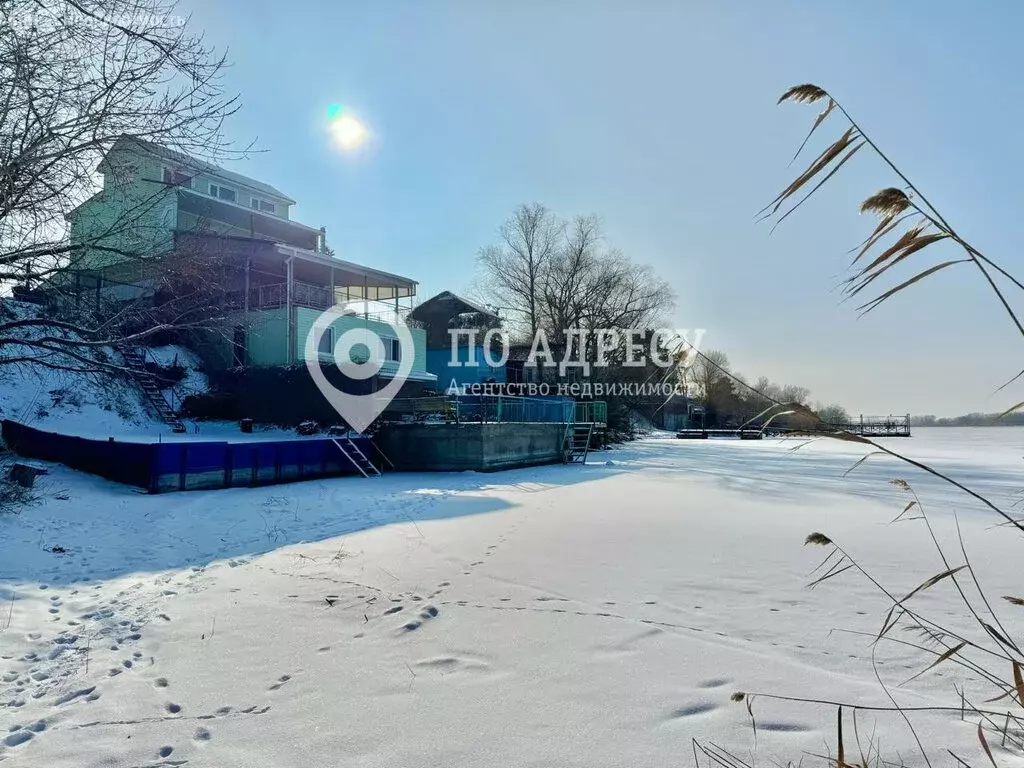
<point x="660" y="117"/>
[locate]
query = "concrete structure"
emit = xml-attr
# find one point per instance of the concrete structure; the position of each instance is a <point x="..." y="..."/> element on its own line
<point x="479" y="447"/>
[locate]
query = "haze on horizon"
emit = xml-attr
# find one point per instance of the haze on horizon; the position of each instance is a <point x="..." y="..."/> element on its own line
<point x="660" y="118"/>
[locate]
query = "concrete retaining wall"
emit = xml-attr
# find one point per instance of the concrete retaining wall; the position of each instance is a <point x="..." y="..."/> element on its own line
<point x="480" y="447"/>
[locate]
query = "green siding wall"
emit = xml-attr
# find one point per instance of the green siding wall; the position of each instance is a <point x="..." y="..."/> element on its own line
<point x="268" y="337"/>
<point x="137" y="213"/>
<point x="304" y="319"/>
<point x="136" y="216"/>
<point x="267" y="340"/>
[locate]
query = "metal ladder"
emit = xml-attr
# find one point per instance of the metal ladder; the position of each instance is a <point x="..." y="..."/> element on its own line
<point x="136" y="365"/>
<point x="356" y="457"/>
<point x="576" y="442"/>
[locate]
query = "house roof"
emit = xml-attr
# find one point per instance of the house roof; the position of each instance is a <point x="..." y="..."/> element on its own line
<point x="474" y="306"/>
<point x="164" y="153"/>
<point x="350" y="266"/>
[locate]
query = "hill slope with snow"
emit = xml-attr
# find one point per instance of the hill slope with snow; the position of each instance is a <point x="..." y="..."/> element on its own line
<point x="89" y="403"/>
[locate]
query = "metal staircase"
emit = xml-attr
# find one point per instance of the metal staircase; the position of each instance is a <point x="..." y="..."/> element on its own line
<point x="355" y="456"/>
<point x="136" y="364"/>
<point x="576" y="442"/>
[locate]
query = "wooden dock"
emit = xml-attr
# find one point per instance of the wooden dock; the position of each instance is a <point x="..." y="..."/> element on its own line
<point x="703" y="434"/>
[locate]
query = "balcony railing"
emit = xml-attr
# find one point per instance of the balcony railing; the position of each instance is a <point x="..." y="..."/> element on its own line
<point x="312" y="296"/>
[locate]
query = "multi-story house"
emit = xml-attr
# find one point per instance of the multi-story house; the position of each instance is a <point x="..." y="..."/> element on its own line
<point x="278" y="273"/>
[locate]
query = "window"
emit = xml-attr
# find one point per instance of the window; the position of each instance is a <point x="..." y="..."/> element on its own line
<point x="177" y="178"/>
<point x="223" y="193"/>
<point x="326" y="346"/>
<point x="262" y="205"/>
<point x="392" y="350"/>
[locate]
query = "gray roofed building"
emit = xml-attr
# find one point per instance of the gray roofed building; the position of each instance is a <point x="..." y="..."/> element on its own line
<point x="188" y="161"/>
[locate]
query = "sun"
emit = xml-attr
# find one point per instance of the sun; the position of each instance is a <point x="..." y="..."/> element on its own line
<point x="348" y="132"/>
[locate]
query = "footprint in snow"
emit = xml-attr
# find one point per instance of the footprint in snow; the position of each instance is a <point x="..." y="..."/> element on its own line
<point x="715" y="682"/>
<point x="17" y="738"/>
<point x="72" y="695"/>
<point x="280" y="681"/>
<point x="783" y="727"/>
<point x="692" y="710"/>
<point x="428" y="612"/>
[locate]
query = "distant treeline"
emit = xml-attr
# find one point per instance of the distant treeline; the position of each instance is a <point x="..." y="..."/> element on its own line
<point x="970" y="420"/>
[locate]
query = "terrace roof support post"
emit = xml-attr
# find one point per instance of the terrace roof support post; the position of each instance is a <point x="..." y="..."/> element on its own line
<point x="245" y="349"/>
<point x="289" y="341"/>
<point x="334" y="298"/>
<point x="366" y="299"/>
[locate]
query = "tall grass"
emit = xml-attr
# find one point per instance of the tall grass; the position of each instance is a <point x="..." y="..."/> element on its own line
<point x="909" y="228"/>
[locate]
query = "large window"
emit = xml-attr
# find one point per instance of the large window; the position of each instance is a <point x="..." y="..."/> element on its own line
<point x="263" y="205"/>
<point x="224" y="193"/>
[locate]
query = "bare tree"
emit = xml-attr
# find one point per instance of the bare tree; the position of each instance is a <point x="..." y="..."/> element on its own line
<point x="568" y="291"/>
<point x="712" y="379"/>
<point x="833" y="414"/>
<point x="514" y="268"/>
<point x="75" y="77"/>
<point x="559" y="275"/>
<point x="589" y="286"/>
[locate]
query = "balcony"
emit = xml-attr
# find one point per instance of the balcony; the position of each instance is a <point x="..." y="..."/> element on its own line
<point x="309" y="295"/>
<point x="198" y="213"/>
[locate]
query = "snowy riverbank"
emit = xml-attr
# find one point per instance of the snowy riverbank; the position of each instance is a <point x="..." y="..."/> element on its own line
<point x="562" y="616"/>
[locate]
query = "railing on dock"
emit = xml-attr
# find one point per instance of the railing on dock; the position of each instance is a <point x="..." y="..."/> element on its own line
<point x="498" y="409"/>
<point x="875" y="426"/>
<point x="591" y="412"/>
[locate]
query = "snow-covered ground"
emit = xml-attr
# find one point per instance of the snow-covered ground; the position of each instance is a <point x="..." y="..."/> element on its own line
<point x="57" y="398"/>
<point x="556" y="616"/>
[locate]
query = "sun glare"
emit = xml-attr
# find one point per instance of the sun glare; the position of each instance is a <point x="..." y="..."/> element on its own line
<point x="348" y="132"/>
